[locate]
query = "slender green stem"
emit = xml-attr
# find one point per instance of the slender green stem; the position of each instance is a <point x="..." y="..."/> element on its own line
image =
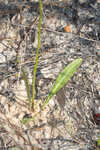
<point x="27" y="86"/>
<point x="37" y="54"/>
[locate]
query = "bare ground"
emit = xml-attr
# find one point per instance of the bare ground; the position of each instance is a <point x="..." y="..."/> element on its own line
<point x="67" y="122"/>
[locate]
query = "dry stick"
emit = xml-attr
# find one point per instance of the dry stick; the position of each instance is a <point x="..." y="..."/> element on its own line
<point x="5" y="12"/>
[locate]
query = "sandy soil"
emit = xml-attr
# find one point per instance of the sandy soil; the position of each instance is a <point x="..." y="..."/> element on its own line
<point x="70" y="30"/>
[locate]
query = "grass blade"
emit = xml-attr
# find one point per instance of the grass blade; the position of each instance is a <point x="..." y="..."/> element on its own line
<point x="63" y="78"/>
<point x="37" y="53"/>
<point x="27" y="86"/>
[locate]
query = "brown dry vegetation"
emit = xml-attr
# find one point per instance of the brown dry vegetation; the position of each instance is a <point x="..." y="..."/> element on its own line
<point x="67" y="122"/>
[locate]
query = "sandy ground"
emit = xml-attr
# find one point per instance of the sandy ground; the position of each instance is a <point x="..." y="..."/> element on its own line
<point x="70" y="30"/>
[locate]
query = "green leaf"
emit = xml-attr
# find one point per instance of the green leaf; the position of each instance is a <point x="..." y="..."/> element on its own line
<point x="63" y="78"/>
<point x="26" y="120"/>
<point x="98" y="142"/>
